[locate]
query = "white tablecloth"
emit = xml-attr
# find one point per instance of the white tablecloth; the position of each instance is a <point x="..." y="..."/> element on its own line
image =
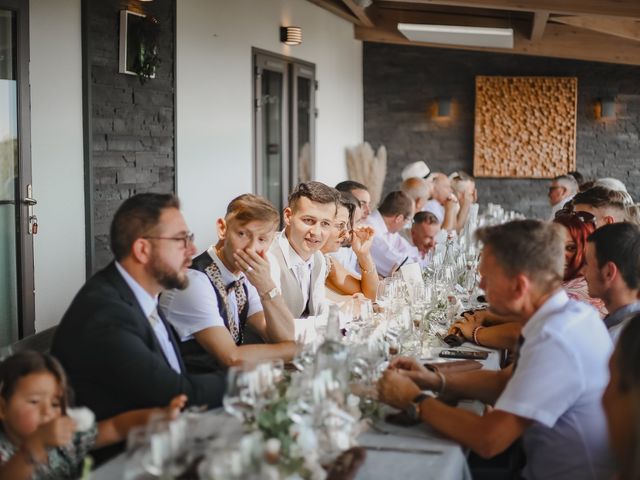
<point x="427" y="455"/>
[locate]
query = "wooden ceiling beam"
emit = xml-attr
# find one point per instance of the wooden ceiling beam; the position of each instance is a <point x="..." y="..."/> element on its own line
<point x="359" y="12"/>
<point x="560" y="41"/>
<point x="619" y="8"/>
<point x="538" y="25"/>
<point x="337" y="8"/>
<point x="619" y="27"/>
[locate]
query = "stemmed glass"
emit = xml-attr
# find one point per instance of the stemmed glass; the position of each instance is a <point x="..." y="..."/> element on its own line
<point x="240" y="396"/>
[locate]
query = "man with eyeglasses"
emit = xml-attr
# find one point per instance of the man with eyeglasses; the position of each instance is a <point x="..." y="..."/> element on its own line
<point x="117" y="349"/>
<point x="612" y="272"/>
<point x="561" y="191"/>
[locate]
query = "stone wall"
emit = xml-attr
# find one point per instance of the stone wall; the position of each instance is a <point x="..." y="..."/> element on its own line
<point x="402" y="84"/>
<point x="133" y="126"/>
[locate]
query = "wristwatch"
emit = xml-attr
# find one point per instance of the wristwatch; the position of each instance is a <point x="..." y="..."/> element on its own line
<point x="413" y="409"/>
<point x="271" y="294"/>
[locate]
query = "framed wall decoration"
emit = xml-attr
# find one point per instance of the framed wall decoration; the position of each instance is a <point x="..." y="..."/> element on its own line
<point x="139" y="35"/>
<point x="525" y="127"/>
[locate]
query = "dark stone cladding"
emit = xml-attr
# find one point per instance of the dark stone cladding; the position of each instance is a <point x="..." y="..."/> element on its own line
<point x="133" y="141"/>
<point x="401" y="83"/>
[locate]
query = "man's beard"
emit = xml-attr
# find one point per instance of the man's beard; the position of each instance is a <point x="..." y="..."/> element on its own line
<point x="167" y="277"/>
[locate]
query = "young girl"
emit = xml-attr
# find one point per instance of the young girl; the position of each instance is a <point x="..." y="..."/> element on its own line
<point x="37" y="438"/>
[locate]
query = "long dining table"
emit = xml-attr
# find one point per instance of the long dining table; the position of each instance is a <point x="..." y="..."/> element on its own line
<point x="416" y="452"/>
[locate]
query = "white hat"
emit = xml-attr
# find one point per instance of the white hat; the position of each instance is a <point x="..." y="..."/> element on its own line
<point x="415" y="169"/>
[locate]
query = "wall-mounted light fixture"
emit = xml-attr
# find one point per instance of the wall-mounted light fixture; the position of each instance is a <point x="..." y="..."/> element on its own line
<point x="291" y="35"/>
<point x="606" y="108"/>
<point x="443" y="107"/>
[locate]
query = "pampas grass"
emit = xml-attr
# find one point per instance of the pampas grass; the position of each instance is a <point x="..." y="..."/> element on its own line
<point x="368" y="168"/>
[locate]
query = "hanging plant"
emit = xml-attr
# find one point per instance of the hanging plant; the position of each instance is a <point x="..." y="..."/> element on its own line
<point x="146" y="59"/>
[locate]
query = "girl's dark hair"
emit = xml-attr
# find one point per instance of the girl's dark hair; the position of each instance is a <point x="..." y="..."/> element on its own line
<point x="24" y="363"/>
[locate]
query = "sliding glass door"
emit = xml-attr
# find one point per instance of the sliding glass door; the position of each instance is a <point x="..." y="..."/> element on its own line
<point x="16" y="241"/>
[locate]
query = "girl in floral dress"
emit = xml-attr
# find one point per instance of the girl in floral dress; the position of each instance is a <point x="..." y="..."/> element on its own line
<point x="38" y="440"/>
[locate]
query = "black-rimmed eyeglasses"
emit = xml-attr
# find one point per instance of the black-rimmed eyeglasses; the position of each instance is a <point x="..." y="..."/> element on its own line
<point x="186" y="239"/>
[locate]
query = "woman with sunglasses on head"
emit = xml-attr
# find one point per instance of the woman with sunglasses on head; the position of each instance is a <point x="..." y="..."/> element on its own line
<point x="577" y="228"/>
<point x="340" y="279"/>
<point x="504" y="333"/>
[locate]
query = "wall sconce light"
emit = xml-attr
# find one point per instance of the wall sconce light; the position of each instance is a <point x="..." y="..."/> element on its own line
<point x="291" y="35"/>
<point x="444" y="107"/>
<point x="606" y="107"/>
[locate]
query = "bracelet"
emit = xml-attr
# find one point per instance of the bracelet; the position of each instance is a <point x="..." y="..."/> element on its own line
<point x="474" y="335"/>
<point x="365" y="271"/>
<point x="443" y="382"/>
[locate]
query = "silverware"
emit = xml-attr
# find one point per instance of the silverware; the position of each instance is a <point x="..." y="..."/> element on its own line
<point x="403" y="433"/>
<point x="424" y="451"/>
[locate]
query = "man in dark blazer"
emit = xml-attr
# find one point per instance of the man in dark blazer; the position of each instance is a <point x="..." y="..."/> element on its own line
<point x="118" y="352"/>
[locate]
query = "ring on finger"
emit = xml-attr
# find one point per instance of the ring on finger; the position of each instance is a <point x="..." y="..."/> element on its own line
<point x="249" y="269"/>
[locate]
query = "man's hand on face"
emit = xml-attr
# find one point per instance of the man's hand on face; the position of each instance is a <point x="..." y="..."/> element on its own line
<point x="256" y="268"/>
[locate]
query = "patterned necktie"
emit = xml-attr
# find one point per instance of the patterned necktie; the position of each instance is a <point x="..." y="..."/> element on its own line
<point x="214" y="274"/>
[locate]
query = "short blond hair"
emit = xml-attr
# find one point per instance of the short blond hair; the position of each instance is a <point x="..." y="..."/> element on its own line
<point x="529" y="247"/>
<point x="250" y="208"/>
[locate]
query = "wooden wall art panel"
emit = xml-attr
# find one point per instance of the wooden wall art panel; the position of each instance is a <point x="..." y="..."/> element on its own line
<point x="525" y="127"/>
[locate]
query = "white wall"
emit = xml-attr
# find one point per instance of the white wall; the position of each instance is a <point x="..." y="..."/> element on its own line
<point x="214" y="94"/>
<point x="57" y="160"/>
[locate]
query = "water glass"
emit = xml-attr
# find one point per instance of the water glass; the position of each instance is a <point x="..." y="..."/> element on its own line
<point x="240" y="396"/>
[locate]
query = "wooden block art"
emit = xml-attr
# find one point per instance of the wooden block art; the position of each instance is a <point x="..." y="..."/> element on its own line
<point x="525" y="127"/>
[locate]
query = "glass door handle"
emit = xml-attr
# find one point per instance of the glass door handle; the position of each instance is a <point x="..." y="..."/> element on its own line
<point x="31" y="218"/>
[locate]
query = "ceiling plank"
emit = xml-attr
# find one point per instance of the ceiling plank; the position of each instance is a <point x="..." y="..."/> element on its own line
<point x="619" y="27"/>
<point x="619" y="8"/>
<point x="359" y="12"/>
<point x="560" y="41"/>
<point x="337" y="8"/>
<point x="538" y="25"/>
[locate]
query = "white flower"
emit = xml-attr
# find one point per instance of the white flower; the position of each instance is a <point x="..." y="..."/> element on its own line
<point x="83" y="418"/>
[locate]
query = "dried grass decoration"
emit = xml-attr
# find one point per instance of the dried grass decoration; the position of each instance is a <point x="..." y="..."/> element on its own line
<point x="146" y="60"/>
<point x="368" y="168"/>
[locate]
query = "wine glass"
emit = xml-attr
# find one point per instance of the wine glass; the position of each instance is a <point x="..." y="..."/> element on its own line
<point x="240" y="396"/>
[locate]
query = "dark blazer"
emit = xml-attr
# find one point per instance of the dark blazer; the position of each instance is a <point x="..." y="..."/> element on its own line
<point x="113" y="358"/>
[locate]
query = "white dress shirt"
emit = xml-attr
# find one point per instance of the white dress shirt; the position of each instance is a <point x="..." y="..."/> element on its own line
<point x="301" y="270"/>
<point x="558" y="383"/>
<point x="436" y="208"/>
<point x="149" y="306"/>
<point x="389" y="250"/>
<point x="196" y="307"/>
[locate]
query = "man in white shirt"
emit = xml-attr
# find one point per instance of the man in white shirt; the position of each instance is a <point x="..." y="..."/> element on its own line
<point x="423" y="232"/>
<point x="443" y="203"/>
<point x="464" y="188"/>
<point x="612" y="272"/>
<point x="551" y="395"/>
<point x="561" y="191"/>
<point x="389" y="249"/>
<point x="418" y="190"/>
<point x="231" y="301"/>
<point x="299" y="269"/>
